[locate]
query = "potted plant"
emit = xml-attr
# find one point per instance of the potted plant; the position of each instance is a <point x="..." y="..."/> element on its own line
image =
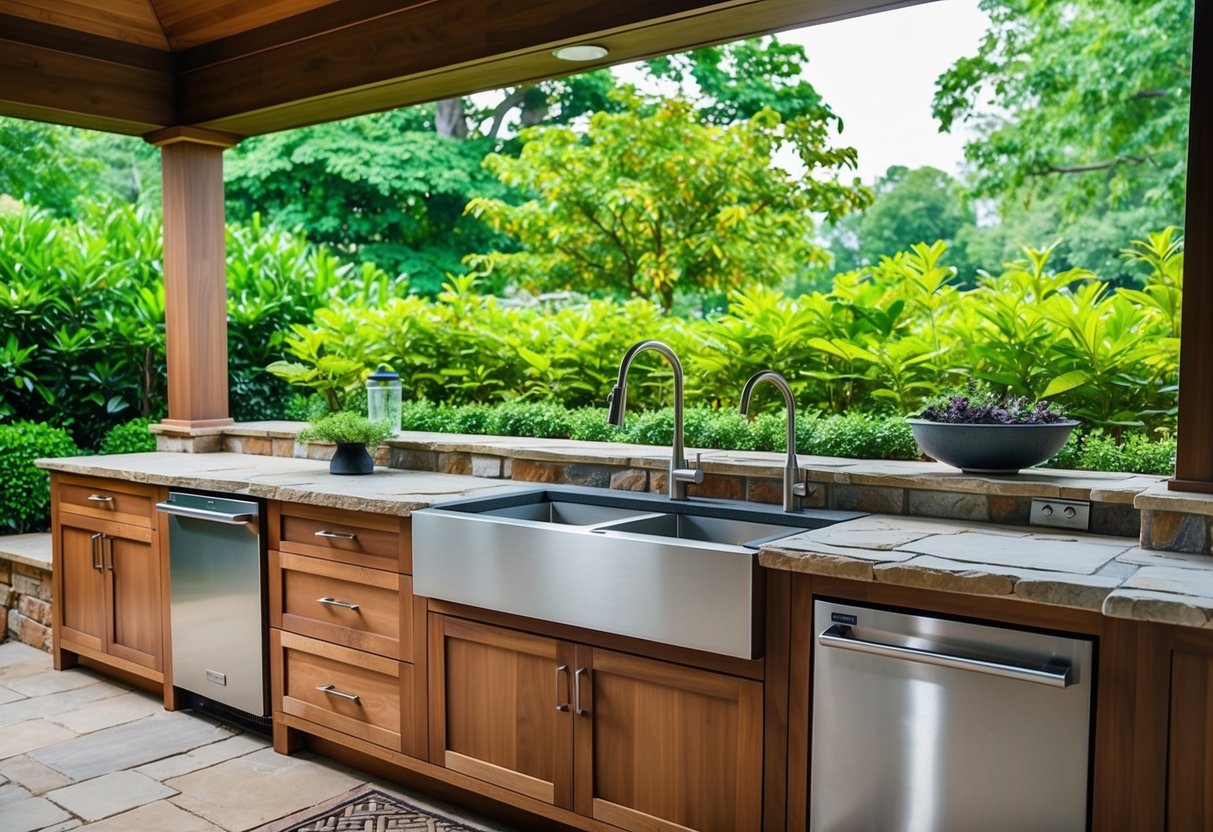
<point x="982" y="432"/>
<point x="354" y="436"/>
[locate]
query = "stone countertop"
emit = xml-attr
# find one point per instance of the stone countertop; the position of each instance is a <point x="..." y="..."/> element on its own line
<point x="1111" y="575"/>
<point x="387" y="491"/>
<point x="1108" y="574"/>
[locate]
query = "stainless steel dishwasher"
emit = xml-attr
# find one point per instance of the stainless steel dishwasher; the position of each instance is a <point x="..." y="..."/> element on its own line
<point x="924" y="724"/>
<point x="217" y="605"/>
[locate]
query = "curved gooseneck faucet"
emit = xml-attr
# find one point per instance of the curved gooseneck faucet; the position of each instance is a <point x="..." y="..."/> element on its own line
<point x="617" y="401"/>
<point x="793" y="486"/>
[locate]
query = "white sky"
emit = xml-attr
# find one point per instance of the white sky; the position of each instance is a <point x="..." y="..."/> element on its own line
<point x="878" y="73"/>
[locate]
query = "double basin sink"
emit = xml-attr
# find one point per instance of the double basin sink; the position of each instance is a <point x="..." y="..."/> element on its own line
<point x="683" y="573"/>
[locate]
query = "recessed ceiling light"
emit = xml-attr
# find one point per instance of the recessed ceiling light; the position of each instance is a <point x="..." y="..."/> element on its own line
<point x="580" y="52"/>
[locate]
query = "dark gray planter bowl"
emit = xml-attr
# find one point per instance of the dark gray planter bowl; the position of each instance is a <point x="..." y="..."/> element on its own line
<point x="990" y="449"/>
<point x="351" y="458"/>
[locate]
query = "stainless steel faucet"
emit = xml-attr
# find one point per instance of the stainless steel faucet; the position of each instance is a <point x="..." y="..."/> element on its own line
<point x="793" y="484"/>
<point x="617" y="401"/>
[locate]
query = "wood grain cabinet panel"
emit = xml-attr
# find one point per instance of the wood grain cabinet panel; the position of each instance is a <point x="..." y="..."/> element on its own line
<point x="106" y="500"/>
<point x="639" y="744"/>
<point x="359" y="538"/>
<point x="350" y="691"/>
<point x="366" y="609"/>
<point x="672" y="747"/>
<point x="108" y="580"/>
<point x="1190" y="764"/>
<point x="502" y="707"/>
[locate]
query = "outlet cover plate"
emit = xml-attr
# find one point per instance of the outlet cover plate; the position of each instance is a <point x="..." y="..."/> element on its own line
<point x="1061" y="514"/>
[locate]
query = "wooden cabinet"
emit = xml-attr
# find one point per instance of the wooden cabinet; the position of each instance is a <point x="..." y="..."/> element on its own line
<point x="109" y="580"/>
<point x="1190" y="746"/>
<point x="636" y="743"/>
<point x="341" y="628"/>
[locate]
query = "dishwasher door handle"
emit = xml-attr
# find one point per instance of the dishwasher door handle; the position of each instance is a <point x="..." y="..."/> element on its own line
<point x="1054" y="673"/>
<point x="239" y="519"/>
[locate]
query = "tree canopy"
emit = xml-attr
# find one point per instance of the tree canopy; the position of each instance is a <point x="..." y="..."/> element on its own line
<point x="651" y="201"/>
<point x="1086" y="100"/>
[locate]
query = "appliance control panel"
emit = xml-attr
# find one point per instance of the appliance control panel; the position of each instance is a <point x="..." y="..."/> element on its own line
<point x="1061" y="514"/>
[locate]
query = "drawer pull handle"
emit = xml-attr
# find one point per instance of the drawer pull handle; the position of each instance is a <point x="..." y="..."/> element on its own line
<point x="97" y="556"/>
<point x="330" y="690"/>
<point x="99" y="498"/>
<point x="325" y="533"/>
<point x="577" y="674"/>
<point x="562" y="702"/>
<point x="333" y="602"/>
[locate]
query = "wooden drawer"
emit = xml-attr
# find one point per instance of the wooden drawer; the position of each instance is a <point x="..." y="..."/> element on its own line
<point x="366" y="609"/>
<point x="106" y="499"/>
<point x="355" y="537"/>
<point x="359" y="694"/>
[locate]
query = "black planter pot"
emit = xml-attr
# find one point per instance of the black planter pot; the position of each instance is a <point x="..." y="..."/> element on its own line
<point x="351" y="458"/>
<point x="990" y="449"/>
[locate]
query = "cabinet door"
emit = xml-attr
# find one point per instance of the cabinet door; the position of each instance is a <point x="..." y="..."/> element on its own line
<point x="501" y="707"/>
<point x="80" y="586"/>
<point x="1190" y="768"/>
<point x="667" y="747"/>
<point x="135" y="611"/>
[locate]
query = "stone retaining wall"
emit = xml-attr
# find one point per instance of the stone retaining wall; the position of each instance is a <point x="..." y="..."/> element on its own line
<point x="25" y="602"/>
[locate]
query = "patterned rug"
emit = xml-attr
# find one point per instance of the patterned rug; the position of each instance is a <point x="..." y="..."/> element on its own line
<point x="366" y="810"/>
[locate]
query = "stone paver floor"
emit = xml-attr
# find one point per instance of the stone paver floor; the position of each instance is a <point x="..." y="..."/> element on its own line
<point x="80" y="751"/>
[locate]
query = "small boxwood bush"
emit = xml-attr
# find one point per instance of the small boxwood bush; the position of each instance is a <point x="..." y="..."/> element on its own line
<point x="25" y="489"/>
<point x="129" y="438"/>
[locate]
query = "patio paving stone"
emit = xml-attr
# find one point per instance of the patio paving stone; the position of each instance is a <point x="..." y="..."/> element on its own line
<point x="30" y="735"/>
<point x="203" y="757"/>
<point x="130" y="745"/>
<point x="40" y="706"/>
<point x="50" y="681"/>
<point x="31" y="774"/>
<point x="16" y="653"/>
<point x="284" y="785"/>
<point x="109" y="794"/>
<point x="32" y="813"/>
<point x="160" y="816"/>
<point x="106" y="713"/>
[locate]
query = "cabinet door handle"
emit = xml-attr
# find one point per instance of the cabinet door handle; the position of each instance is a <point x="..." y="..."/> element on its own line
<point x="562" y="703"/>
<point x="336" y="535"/>
<point x="97" y="559"/>
<point x="331" y="690"/>
<point x="333" y="602"/>
<point x="99" y="498"/>
<point x="577" y="709"/>
<point x="108" y="543"/>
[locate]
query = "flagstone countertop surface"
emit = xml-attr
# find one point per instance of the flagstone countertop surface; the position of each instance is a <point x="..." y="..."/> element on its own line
<point x="1109" y="574"/>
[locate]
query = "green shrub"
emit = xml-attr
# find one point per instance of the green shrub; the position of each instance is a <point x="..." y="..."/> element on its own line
<point x="129" y="438"/>
<point x="25" y="491"/>
<point x="862" y="436"/>
<point x="589" y="424"/>
<point x="538" y="419"/>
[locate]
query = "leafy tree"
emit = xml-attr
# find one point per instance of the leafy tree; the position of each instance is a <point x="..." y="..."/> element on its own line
<point x="911" y="206"/>
<point x="739" y="80"/>
<point x="647" y="203"/>
<point x="36" y="166"/>
<point x="383" y="188"/>
<point x="1089" y="101"/>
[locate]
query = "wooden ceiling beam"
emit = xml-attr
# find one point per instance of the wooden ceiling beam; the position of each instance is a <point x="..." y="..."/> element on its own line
<point x="438" y="50"/>
<point x="58" y="75"/>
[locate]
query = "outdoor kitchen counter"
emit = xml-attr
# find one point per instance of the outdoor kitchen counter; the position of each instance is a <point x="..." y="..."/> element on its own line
<point x="1084" y="571"/>
<point x="307" y="481"/>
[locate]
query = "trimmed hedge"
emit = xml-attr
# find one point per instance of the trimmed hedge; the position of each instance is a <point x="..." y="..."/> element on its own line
<point x="25" y="489"/>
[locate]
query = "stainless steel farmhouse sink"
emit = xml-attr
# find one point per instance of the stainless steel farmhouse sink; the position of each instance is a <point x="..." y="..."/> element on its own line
<point x="676" y="572"/>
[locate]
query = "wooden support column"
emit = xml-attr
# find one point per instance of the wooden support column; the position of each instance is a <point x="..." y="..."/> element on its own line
<point x="1194" y="460"/>
<point x="195" y="276"/>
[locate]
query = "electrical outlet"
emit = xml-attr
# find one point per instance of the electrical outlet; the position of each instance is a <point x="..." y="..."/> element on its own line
<point x="1061" y="514"/>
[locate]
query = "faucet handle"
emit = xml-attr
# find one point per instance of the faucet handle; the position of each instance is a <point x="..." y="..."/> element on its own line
<point x="801" y="487"/>
<point x="694" y="473"/>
